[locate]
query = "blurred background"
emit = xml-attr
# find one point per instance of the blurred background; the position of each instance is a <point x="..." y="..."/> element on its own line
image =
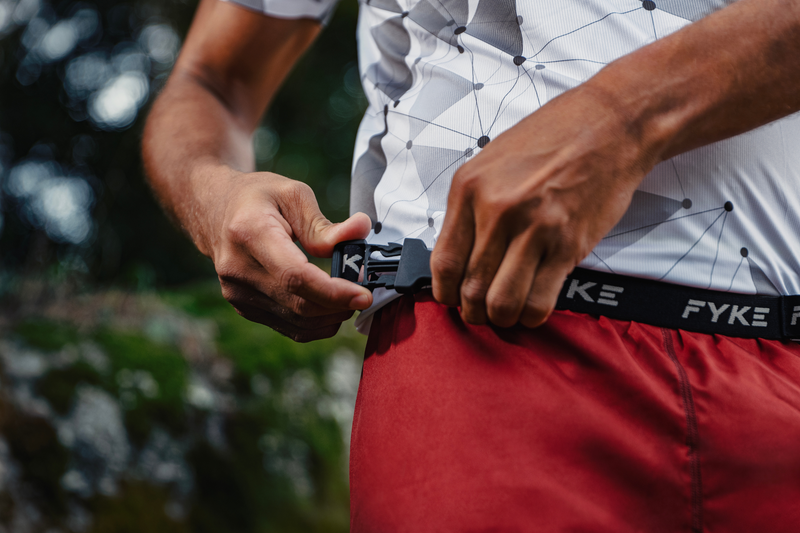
<point x="132" y="397"/>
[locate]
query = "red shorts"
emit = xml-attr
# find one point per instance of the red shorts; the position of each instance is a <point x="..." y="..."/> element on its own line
<point x="585" y="424"/>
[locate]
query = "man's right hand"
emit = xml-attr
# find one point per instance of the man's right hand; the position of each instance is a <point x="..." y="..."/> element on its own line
<point x="198" y="155"/>
<point x="251" y="232"/>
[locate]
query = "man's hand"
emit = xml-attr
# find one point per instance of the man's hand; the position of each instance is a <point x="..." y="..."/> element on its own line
<point x="198" y="154"/>
<point x="532" y="205"/>
<point x="537" y="199"/>
<point x="263" y="274"/>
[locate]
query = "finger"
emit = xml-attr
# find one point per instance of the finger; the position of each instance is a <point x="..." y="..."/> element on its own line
<point x="303" y="313"/>
<point x="313" y="284"/>
<point x="293" y="331"/>
<point x="544" y="293"/>
<point x="450" y="256"/>
<point x="326" y="235"/>
<point x="290" y="273"/>
<point x="316" y="233"/>
<point x="512" y="283"/>
<point x="483" y="263"/>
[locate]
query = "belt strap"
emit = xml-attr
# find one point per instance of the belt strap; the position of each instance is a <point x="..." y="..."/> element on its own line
<point x="406" y="268"/>
<point x="679" y="307"/>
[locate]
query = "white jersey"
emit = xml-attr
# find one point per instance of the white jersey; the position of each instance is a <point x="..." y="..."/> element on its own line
<point x="445" y="77"/>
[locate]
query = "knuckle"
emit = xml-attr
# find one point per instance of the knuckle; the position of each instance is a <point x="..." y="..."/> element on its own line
<point x="285" y="187"/>
<point x="303" y="308"/>
<point x="473" y="291"/>
<point x="536" y="314"/>
<point x="552" y="231"/>
<point x="569" y="251"/>
<point x="241" y="229"/>
<point x="296" y="191"/>
<point x="303" y="189"/>
<point x="567" y="235"/>
<point x="503" y="310"/>
<point x="232" y="291"/>
<point x="461" y="177"/>
<point x="502" y="206"/>
<point x="446" y="266"/>
<point x="465" y="180"/>
<point x="293" y="280"/>
<point x="228" y="270"/>
<point x="229" y="291"/>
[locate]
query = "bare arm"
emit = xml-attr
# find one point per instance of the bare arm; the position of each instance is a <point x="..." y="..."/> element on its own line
<point x="516" y="226"/>
<point x="198" y="156"/>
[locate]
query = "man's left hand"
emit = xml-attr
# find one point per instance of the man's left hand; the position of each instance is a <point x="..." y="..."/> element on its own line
<point x="533" y="204"/>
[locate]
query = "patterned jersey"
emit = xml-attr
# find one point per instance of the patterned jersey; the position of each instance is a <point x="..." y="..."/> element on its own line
<point x="445" y="77"/>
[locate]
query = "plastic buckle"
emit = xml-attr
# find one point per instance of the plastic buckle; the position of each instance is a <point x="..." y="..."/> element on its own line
<point x="402" y="267"/>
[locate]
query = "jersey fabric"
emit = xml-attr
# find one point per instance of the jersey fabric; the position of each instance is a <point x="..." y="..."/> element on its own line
<point x="445" y="77"/>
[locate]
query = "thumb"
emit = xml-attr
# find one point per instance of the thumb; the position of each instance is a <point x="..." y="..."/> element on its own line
<point x="324" y="234"/>
<point x="318" y="235"/>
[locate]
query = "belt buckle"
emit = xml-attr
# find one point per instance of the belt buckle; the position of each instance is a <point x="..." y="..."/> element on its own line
<point x="402" y="267"/>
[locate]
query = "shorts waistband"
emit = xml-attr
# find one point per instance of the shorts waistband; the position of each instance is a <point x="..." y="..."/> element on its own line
<point x="679" y="307"/>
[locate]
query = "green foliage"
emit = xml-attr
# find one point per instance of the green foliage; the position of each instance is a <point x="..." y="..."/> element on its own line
<point x="275" y="461"/>
<point x="58" y="386"/>
<point x="253" y="348"/>
<point x="34" y="442"/>
<point x="278" y="462"/>
<point x="140" y="508"/>
<point x="46" y="334"/>
<point x="165" y="363"/>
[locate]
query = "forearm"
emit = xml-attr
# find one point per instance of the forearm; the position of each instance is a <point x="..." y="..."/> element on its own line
<point x="192" y="144"/>
<point x="198" y="135"/>
<point x="731" y="72"/>
<point x="199" y="158"/>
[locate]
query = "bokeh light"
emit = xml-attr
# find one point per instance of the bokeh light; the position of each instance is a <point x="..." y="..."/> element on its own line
<point x="77" y="76"/>
<point x="6" y="16"/>
<point x="161" y="43"/>
<point x="59" y="41"/>
<point x="61" y="206"/>
<point x="87" y="73"/>
<point x="25" y="10"/>
<point x="115" y="105"/>
<point x="266" y="143"/>
<point x="141" y="385"/>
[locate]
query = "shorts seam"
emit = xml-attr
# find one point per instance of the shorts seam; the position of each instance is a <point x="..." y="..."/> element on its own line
<point x="692" y="434"/>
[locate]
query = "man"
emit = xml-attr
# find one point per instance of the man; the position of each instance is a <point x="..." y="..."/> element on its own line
<point x="651" y="139"/>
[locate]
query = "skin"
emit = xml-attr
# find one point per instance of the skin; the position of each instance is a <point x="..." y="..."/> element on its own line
<point x="198" y="156"/>
<point x="515" y="226"/>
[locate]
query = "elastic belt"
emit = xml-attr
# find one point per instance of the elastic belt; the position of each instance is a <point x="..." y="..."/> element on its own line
<point x="406" y="268"/>
<point x="679" y="307"/>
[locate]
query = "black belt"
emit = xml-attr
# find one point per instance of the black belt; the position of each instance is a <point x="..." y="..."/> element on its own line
<point x="406" y="268"/>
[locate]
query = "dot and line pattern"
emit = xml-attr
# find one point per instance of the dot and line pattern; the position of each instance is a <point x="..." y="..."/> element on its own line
<point x="446" y="77"/>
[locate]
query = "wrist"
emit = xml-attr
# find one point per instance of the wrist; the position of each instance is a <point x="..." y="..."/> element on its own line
<point x="649" y="123"/>
<point x="659" y="112"/>
<point x="204" y="212"/>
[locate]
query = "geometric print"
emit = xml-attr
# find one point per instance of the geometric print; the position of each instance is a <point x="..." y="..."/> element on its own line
<point x="445" y="77"/>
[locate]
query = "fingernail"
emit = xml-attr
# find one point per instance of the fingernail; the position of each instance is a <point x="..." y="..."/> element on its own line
<point x="360" y="302"/>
